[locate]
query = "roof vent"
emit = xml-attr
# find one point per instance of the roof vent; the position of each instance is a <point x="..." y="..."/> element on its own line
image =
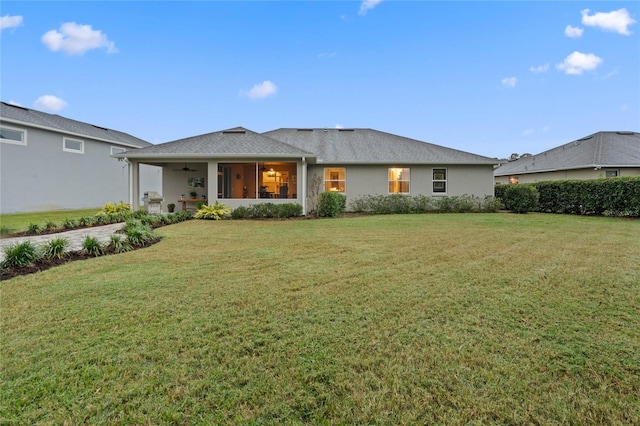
<point x="101" y="128"/>
<point x="626" y="133"/>
<point x="233" y="132"/>
<point x="305" y="130"/>
<point x="584" y="139"/>
<point x="346" y="130"/>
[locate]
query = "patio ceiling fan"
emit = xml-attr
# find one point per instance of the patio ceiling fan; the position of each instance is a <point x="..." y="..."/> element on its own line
<point x="184" y="169"/>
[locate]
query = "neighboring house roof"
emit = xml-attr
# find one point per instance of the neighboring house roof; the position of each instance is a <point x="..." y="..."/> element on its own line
<point x="236" y="142"/>
<point x="602" y="149"/>
<point x="368" y="146"/>
<point x="17" y="115"/>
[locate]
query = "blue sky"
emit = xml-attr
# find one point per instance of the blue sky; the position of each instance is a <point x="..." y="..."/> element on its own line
<point x="492" y="78"/>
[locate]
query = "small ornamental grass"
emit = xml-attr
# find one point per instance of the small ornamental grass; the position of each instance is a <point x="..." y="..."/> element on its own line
<point x="138" y="234"/>
<point x="55" y="249"/>
<point x="216" y="211"/>
<point x="119" y="244"/>
<point x="33" y="229"/>
<point x="116" y="208"/>
<point x="92" y="247"/>
<point x="20" y="254"/>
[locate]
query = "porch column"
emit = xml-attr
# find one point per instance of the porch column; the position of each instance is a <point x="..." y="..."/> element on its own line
<point x="134" y="190"/>
<point x="304" y="186"/>
<point x="212" y="181"/>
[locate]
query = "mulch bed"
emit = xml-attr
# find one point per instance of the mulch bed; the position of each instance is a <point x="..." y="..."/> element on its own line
<point x="44" y="264"/>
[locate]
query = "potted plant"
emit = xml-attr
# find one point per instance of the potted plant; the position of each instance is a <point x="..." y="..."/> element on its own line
<point x="171" y="207"/>
<point x="193" y="194"/>
<point x="182" y="196"/>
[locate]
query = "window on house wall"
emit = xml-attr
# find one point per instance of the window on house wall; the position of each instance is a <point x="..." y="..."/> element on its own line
<point x="513" y="179"/>
<point x="439" y="177"/>
<point x="13" y="135"/>
<point x="611" y="173"/>
<point x="399" y="179"/>
<point x="73" y="145"/>
<point x="335" y="179"/>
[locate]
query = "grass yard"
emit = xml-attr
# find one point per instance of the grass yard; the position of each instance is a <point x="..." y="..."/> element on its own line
<point x="16" y="222"/>
<point x="416" y="319"/>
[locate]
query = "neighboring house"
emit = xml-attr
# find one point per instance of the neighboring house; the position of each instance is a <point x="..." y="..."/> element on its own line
<point x="601" y="155"/>
<point x="51" y="162"/>
<point x="241" y="167"/>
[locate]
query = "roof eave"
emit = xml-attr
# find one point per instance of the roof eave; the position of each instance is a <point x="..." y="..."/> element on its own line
<point x="66" y="132"/>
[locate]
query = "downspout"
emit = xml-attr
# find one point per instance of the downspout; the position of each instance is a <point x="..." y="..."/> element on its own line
<point x="304" y="186"/>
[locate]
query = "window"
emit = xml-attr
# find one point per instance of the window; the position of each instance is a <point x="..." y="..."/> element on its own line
<point x="335" y="179"/>
<point x="73" y="145"/>
<point x="399" y="180"/>
<point x="513" y="179"/>
<point x="611" y="173"/>
<point x="13" y="135"/>
<point x="117" y="150"/>
<point x="439" y="181"/>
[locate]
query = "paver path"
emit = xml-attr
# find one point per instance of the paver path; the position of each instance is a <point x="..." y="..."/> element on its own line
<point x="75" y="237"/>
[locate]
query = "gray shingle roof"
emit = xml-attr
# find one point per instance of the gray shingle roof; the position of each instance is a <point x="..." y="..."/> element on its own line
<point x="12" y="113"/>
<point x="602" y="149"/>
<point x="367" y="146"/>
<point x="236" y="142"/>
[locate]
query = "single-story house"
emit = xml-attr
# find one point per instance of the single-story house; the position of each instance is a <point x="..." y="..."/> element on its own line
<point x="51" y="162"/>
<point x="240" y="167"/>
<point x="600" y="155"/>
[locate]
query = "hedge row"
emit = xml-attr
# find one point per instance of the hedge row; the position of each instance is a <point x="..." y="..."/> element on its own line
<point x="610" y="197"/>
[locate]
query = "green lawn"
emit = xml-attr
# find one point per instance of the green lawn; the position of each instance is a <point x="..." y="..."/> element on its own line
<point x="16" y="222"/>
<point x="417" y="319"/>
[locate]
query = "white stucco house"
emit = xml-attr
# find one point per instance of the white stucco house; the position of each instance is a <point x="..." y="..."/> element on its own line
<point x="50" y="162"/>
<point x="240" y="167"/>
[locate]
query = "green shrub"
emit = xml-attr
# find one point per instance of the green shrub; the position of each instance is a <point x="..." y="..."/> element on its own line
<point x="402" y="204"/>
<point x="216" y="211"/>
<point x="241" y="212"/>
<point x="86" y="221"/>
<point x="69" y="224"/>
<point x="331" y="204"/>
<point x="289" y="210"/>
<point x="612" y="196"/>
<point x="92" y="247"/>
<point x="6" y="230"/>
<point x="50" y="226"/>
<point x="521" y="198"/>
<point x="110" y="209"/>
<point x="499" y="189"/>
<point x="139" y="234"/>
<point x="20" y="254"/>
<point x="33" y="229"/>
<point x="55" y="249"/>
<point x="118" y="244"/>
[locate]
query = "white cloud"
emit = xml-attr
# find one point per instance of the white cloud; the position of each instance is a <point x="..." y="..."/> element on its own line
<point x="76" y="39"/>
<point x="15" y="103"/>
<point x="611" y="74"/>
<point x="49" y="103"/>
<point x="539" y="69"/>
<point x="528" y="132"/>
<point x="366" y="5"/>
<point x="509" y="82"/>
<point x="339" y="126"/>
<point x="262" y="90"/>
<point x="10" y="21"/>
<point x="573" y="32"/>
<point x="578" y="62"/>
<point x="617" y="21"/>
<point x="327" y="55"/>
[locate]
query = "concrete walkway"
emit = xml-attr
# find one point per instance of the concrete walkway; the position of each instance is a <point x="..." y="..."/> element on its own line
<point x="75" y="237"/>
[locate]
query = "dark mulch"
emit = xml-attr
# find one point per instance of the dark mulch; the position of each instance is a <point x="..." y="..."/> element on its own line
<point x="44" y="264"/>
